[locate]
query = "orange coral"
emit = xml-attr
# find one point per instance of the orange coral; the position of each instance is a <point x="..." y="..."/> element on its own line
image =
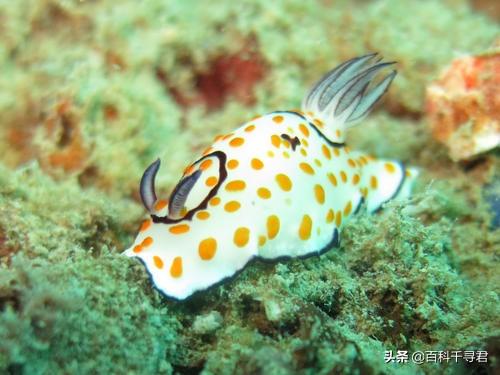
<point x="463" y="106"/>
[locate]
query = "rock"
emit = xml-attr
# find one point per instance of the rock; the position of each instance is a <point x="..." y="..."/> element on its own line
<point x="274" y="312"/>
<point x="207" y="323"/>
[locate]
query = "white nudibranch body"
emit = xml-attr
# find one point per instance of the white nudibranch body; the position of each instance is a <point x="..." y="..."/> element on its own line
<point x="281" y="185"/>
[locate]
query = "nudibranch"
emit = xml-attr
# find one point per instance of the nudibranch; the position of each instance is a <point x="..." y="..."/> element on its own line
<point x="281" y="185"/>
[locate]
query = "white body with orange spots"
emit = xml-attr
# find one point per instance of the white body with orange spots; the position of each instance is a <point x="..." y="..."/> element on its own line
<point x="281" y="185"/>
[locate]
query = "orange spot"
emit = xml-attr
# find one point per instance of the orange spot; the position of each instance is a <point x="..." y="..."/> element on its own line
<point x="148" y="241"/>
<point x="373" y="182"/>
<point x="270" y="154"/>
<point x="304" y="142"/>
<point x="364" y="160"/>
<point x="336" y="151"/>
<point x="263" y="193"/>
<point x="176" y="267"/>
<point x="317" y="162"/>
<point x="351" y="163"/>
<point x="273" y="226"/>
<point x="189" y="169"/>
<point x="338" y="219"/>
<point x="347" y="149"/>
<point x="207" y="248"/>
<point x="236" y="142"/>
<point x="211" y="181"/>
<point x="207" y="151"/>
<point x="232" y="164"/>
<point x="232" y="206"/>
<point x="284" y="182"/>
<point x="303" y="151"/>
<point x="202" y="215"/>
<point x="262" y="240"/>
<point x="218" y="138"/>
<point x="330" y="216"/>
<point x="162" y="203"/>
<point x="214" y="201"/>
<point x="249" y="128"/>
<point x="390" y="167"/>
<point x="227" y="136"/>
<point x="326" y="152"/>
<point x="205" y="164"/>
<point x="257" y="163"/>
<point x="347" y="208"/>
<point x="407" y="173"/>
<point x="306" y="168"/>
<point x="145" y="225"/>
<point x="241" y="236"/>
<point x="137" y="249"/>
<point x="303" y="128"/>
<point x="332" y="179"/>
<point x="179" y="229"/>
<point x="275" y="140"/>
<point x="343" y="176"/>
<point x="318" y="122"/>
<point x="338" y="133"/>
<point x="355" y="179"/>
<point x="236" y="185"/>
<point x="285" y="143"/>
<point x="158" y="262"/>
<point x="278" y="119"/>
<point x="319" y="193"/>
<point x="305" y="228"/>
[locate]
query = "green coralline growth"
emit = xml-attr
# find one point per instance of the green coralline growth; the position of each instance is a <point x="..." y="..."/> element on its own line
<point x="92" y="92"/>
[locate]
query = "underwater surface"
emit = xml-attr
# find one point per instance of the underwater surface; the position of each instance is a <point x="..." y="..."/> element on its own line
<point x="92" y="92"/>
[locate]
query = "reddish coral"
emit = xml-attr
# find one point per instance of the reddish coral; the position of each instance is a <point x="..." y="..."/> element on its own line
<point x="233" y="75"/>
<point x="463" y="106"/>
<point x="227" y="76"/>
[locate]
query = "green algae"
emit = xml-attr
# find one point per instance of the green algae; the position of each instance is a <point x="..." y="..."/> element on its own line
<point x="63" y="288"/>
<point x="421" y="275"/>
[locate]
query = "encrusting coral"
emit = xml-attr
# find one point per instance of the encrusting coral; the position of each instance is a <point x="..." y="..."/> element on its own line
<point x="93" y="91"/>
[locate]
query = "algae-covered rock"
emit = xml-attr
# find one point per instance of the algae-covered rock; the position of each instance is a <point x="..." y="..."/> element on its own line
<point x="68" y="301"/>
<point x="93" y="91"/>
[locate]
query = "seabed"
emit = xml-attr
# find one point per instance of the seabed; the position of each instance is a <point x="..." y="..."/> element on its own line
<point x="91" y="92"/>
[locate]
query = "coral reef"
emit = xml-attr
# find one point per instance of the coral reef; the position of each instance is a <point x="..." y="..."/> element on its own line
<point x="93" y="91"/>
